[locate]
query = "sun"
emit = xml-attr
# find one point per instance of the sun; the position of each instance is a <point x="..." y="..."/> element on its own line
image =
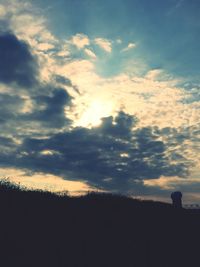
<point x="95" y="111"/>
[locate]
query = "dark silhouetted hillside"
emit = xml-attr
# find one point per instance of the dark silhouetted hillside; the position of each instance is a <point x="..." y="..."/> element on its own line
<point x="41" y="229"/>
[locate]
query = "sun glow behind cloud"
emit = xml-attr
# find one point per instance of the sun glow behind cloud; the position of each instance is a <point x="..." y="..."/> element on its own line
<point x="94" y="112"/>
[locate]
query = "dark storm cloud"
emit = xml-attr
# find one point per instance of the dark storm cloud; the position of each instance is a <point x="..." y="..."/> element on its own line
<point x="17" y="65"/>
<point x="65" y="81"/>
<point x="50" y="109"/>
<point x="42" y="107"/>
<point x="120" y="127"/>
<point x="111" y="156"/>
<point x="9" y="107"/>
<point x="46" y="112"/>
<point x="7" y="142"/>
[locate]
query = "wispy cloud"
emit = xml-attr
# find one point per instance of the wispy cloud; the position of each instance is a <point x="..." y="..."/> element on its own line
<point x="119" y="41"/>
<point x="129" y="47"/>
<point x="175" y="7"/>
<point x="45" y="46"/>
<point x="90" y="53"/>
<point x="80" y="40"/>
<point x="105" y="44"/>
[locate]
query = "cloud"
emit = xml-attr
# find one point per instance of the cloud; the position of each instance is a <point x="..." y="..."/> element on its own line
<point x="113" y="156"/>
<point x="129" y="47"/>
<point x="90" y="53"/>
<point x="16" y="14"/>
<point x="2" y="11"/>
<point x="63" y="53"/>
<point x="9" y="107"/>
<point x="153" y="74"/>
<point x="31" y="97"/>
<point x="50" y="109"/>
<point x="154" y="97"/>
<point x="171" y="183"/>
<point x="119" y="41"/>
<point x="80" y="40"/>
<point x="17" y="63"/>
<point x="105" y="44"/>
<point x="45" y="46"/>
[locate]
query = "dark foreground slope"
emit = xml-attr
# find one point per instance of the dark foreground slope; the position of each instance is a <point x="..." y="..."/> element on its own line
<point x="41" y="229"/>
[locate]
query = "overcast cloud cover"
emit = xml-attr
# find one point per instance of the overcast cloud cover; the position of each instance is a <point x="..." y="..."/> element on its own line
<point x="84" y="105"/>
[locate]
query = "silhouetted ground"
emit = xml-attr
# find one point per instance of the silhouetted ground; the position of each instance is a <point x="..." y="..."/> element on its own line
<point x="100" y="230"/>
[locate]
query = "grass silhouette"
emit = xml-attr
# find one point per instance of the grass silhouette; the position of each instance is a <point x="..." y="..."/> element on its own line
<point x="40" y="229"/>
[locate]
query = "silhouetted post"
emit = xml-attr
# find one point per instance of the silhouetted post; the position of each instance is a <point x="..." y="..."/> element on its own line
<point x="176" y="199"/>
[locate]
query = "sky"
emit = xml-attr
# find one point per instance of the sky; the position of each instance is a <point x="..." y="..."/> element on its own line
<point x="101" y="95"/>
